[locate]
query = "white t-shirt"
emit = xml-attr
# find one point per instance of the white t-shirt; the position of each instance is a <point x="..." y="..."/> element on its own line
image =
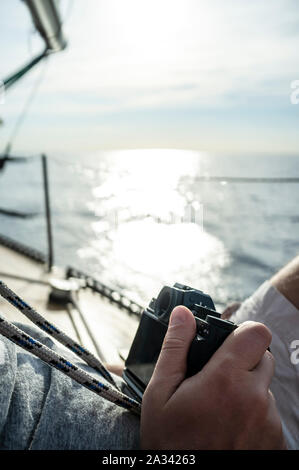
<point x="268" y="306"/>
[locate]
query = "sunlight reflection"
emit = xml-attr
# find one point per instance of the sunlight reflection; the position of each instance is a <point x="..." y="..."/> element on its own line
<point x="141" y="233"/>
<point x="160" y="250"/>
<point x="146" y="181"/>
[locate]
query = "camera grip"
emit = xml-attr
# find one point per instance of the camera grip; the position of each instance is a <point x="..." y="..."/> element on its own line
<point x="210" y="336"/>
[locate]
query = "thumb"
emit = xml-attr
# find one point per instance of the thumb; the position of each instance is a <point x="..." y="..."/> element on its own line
<point x="171" y="366"/>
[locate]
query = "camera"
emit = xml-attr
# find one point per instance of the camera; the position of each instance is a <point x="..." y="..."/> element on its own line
<point x="211" y="331"/>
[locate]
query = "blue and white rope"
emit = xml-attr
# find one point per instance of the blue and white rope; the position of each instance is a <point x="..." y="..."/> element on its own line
<point x="47" y="355"/>
<point x="51" y="329"/>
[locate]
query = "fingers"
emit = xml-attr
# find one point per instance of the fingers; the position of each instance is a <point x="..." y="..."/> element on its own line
<point x="264" y="371"/>
<point x="171" y="366"/>
<point x="245" y="346"/>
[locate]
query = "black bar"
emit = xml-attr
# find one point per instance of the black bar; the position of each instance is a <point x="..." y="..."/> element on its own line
<point x="25" y="250"/>
<point x="9" y="81"/>
<point x="48" y="213"/>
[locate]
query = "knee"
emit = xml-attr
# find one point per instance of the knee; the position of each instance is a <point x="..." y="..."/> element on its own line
<point x="286" y="281"/>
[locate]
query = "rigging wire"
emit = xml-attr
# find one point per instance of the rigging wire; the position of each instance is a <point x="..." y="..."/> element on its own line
<point x="21" y="118"/>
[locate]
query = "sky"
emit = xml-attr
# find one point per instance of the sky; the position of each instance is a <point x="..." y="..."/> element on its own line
<point x="205" y="75"/>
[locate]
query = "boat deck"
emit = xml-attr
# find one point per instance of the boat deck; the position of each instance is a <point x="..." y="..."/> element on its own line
<point x="101" y="327"/>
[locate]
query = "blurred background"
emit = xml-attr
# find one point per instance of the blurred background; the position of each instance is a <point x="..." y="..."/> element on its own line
<point x="172" y="140"/>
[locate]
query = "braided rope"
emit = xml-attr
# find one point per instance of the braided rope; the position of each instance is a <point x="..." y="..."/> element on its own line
<point x="51" y="329"/>
<point x="47" y="355"/>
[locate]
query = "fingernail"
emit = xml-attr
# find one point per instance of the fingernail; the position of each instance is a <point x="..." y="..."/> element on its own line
<point x="178" y="316"/>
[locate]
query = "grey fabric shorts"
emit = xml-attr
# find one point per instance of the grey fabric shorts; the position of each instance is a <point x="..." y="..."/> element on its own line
<point x="43" y="409"/>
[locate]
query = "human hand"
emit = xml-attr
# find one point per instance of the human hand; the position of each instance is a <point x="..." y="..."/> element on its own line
<point x="227" y="405"/>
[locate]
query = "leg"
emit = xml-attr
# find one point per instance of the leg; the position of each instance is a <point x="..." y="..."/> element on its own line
<point x="286" y="281"/>
<point x="230" y="309"/>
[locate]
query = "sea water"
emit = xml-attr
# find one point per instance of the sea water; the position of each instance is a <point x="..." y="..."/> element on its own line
<point x="139" y="219"/>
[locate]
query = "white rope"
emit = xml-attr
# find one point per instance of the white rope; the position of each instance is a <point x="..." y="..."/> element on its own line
<point x="47" y="355"/>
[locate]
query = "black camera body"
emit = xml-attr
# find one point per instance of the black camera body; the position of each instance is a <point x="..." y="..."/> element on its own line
<point x="146" y="346"/>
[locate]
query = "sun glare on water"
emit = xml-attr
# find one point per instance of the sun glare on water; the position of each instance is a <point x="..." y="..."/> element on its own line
<point x="144" y="230"/>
